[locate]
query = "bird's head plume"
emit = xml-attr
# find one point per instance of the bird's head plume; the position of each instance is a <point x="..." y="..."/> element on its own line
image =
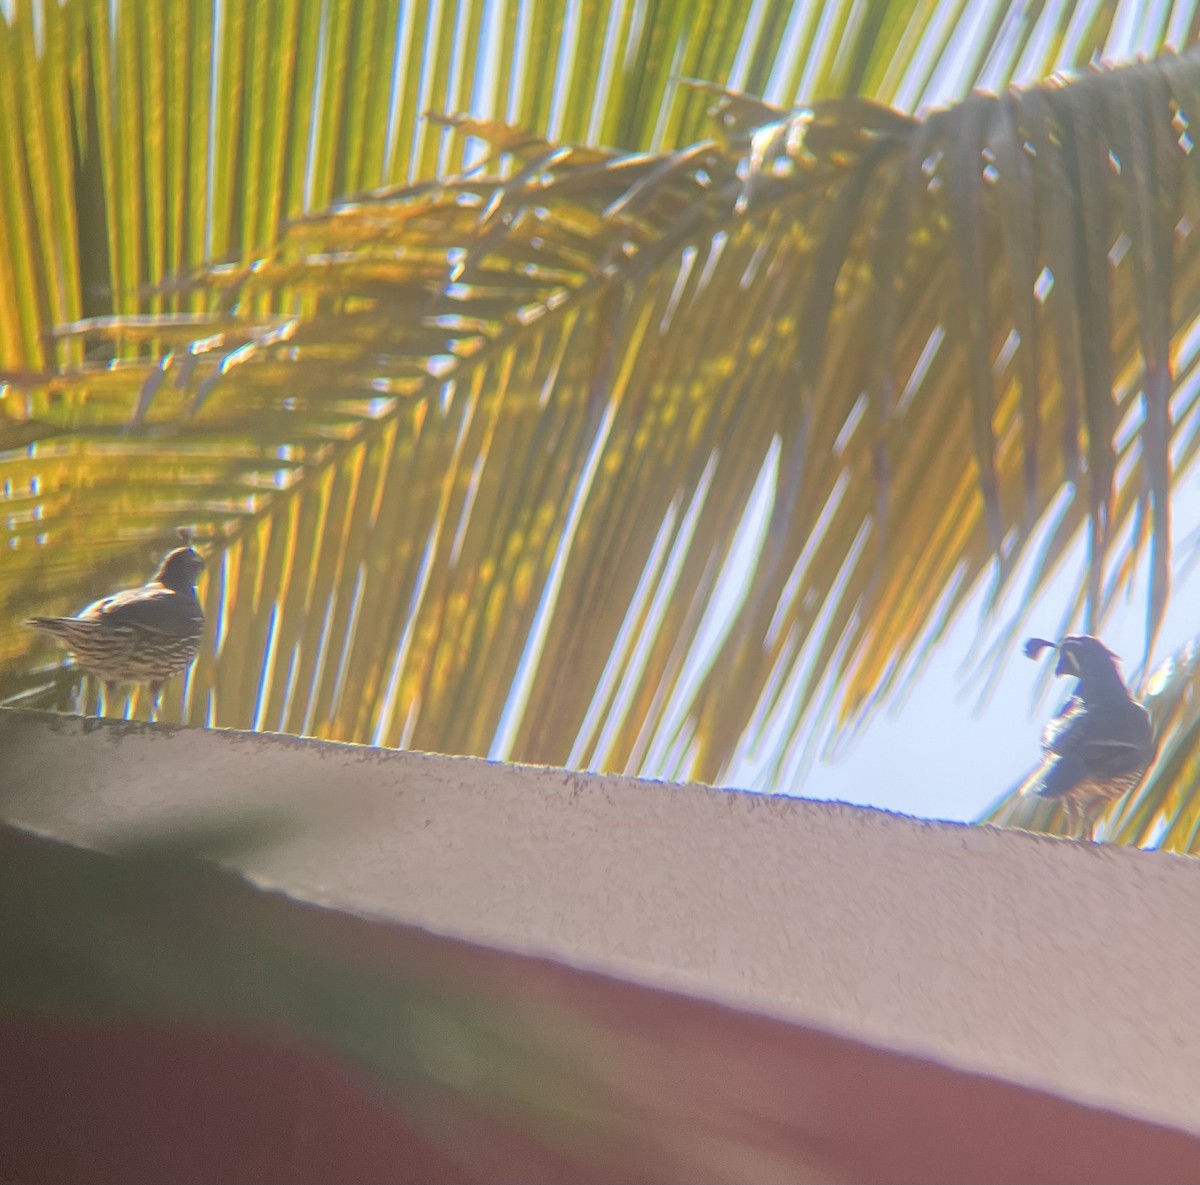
<point x="1079" y="655"/>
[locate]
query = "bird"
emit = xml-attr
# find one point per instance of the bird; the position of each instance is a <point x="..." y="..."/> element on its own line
<point x="1098" y="747"/>
<point x="138" y="635"/>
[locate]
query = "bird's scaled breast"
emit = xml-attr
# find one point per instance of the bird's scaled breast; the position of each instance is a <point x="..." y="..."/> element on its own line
<point x="157" y="662"/>
<point x="1107" y="789"/>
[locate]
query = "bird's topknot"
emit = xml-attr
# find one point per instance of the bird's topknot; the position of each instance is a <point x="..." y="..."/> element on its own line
<point x="1034" y="647"/>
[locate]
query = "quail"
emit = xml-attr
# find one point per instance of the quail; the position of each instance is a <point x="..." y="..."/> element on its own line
<point x="1099" y="746"/>
<point x="140" y="635"/>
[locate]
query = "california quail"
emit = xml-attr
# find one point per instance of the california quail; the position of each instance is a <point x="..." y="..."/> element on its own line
<point x="1098" y="747"/>
<point x="140" y="635"/>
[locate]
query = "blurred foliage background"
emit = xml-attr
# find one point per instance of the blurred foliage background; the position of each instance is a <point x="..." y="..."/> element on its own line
<point x="597" y="383"/>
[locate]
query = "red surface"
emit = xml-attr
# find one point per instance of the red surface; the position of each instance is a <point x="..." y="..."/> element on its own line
<point x="659" y="1087"/>
<point x="91" y="1103"/>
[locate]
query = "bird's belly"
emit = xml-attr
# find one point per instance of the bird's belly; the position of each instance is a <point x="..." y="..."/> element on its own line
<point x="1093" y="790"/>
<point x="131" y="658"/>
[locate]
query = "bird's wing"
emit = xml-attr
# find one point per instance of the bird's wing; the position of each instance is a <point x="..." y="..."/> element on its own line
<point x="1055" y="776"/>
<point x="152" y="607"/>
<point x="1068" y="730"/>
<point x="1091" y="741"/>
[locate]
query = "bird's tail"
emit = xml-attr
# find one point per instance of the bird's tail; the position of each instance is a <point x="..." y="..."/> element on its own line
<point x="57" y="627"/>
<point x="1032" y="785"/>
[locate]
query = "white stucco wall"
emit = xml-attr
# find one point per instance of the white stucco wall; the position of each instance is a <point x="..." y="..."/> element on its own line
<point x="1070" y="967"/>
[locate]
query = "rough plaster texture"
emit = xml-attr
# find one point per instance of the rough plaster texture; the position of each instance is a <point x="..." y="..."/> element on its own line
<point x="1066" y="966"/>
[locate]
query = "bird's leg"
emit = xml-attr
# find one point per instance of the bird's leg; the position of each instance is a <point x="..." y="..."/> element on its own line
<point x="1073" y="817"/>
<point x="110" y="696"/>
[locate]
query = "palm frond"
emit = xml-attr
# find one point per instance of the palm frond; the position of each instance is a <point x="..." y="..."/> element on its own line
<point x="775" y="332"/>
<point x="142" y="142"/>
<point x="631" y="456"/>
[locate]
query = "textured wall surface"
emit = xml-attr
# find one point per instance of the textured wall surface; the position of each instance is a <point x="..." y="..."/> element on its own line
<point x="1066" y="966"/>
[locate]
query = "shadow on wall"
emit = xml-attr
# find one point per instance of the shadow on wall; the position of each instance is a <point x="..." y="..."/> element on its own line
<point x="165" y="1020"/>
